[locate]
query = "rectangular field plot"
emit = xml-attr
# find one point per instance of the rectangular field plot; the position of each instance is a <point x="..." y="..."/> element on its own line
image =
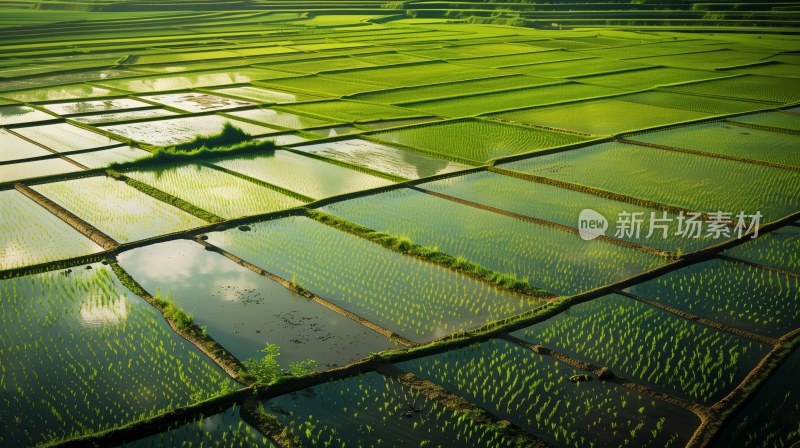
<point x="321" y="85"/>
<point x="735" y="294"/>
<point x="243" y="310"/>
<point x="26" y="170"/>
<point x="22" y="114"/>
<point x="310" y="177"/>
<point x="267" y="96"/>
<point x="102" y="158"/>
<point x="193" y="80"/>
<point x="64" y="137"/>
<point x="30" y="235"/>
<point x="120" y="211"/>
<point x="684" y="180"/>
<point x="226" y="429"/>
<point x="415" y="74"/>
<point x="281" y="119"/>
<point x="451" y="89"/>
<point x="69" y="92"/>
<point x="648" y="78"/>
<point x="15" y="148"/>
<point x="651" y="346"/>
<point x="196" y="102"/>
<point x="414" y="298"/>
<point x="476" y="141"/>
<point x="574" y="68"/>
<point x="552" y="259"/>
<point x="215" y="191"/>
<point x="86" y="107"/>
<point x="368" y="410"/>
<point x="779" y="249"/>
<point x="519" y="60"/>
<point x="513" y="99"/>
<point x="352" y="111"/>
<point x="79" y="351"/>
<point x="123" y="116"/>
<point x="750" y="87"/>
<point x="399" y="162"/>
<point x="558" y="205"/>
<point x="176" y="130"/>
<point x="533" y="392"/>
<point x="727" y="139"/>
<point x="705" y="60"/>
<point x="696" y="103"/>
<point x="780" y="120"/>
<point x="772" y="417"/>
<point x="601" y="117"/>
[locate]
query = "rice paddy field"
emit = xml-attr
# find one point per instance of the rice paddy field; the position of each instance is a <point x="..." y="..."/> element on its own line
<point x="399" y="224"/>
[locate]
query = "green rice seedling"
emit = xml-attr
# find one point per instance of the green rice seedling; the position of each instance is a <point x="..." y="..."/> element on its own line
<point x="735" y="294"/>
<point x="684" y="180"/>
<point x="372" y="410"/>
<point x="641" y="342"/>
<point x="533" y="392"/>
<point x="417" y="299"/>
<point x="778" y="249"/>
<point x="772" y="417"/>
<point x="476" y="141"/>
<point x="29" y="234"/>
<point x="117" y="209"/>
<point x="223" y="430"/>
<point x="547" y="258"/>
<point x="79" y="350"/>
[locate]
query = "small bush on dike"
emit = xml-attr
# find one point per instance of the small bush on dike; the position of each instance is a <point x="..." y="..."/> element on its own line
<point x="229" y="135"/>
<point x="267" y="370"/>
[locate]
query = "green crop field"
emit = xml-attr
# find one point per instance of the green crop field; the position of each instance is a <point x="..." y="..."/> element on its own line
<point x="368" y="223"/>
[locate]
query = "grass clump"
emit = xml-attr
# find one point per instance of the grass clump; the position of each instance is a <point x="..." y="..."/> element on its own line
<point x="406" y="246"/>
<point x="266" y="370"/>
<point x="230" y="140"/>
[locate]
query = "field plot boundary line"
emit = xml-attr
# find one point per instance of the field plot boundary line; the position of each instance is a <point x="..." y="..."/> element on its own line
<point x="60" y="155"/>
<point x="605" y="374"/>
<point x="695" y="152"/>
<point x="765" y="267"/>
<point x="361" y="169"/>
<point x="165" y="197"/>
<point x="761" y="127"/>
<point x="440" y="395"/>
<point x="546" y="223"/>
<point x="700" y="320"/>
<point x="136" y="430"/>
<point x="89" y="231"/>
<point x="483" y="333"/>
<point x="594" y="191"/>
<point x="273" y="187"/>
<point x="194" y="334"/>
<point x="721" y="412"/>
<point x="414" y="250"/>
<point x="308" y="294"/>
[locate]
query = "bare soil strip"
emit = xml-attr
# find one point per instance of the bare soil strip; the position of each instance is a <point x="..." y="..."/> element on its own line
<point x="88" y="230"/>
